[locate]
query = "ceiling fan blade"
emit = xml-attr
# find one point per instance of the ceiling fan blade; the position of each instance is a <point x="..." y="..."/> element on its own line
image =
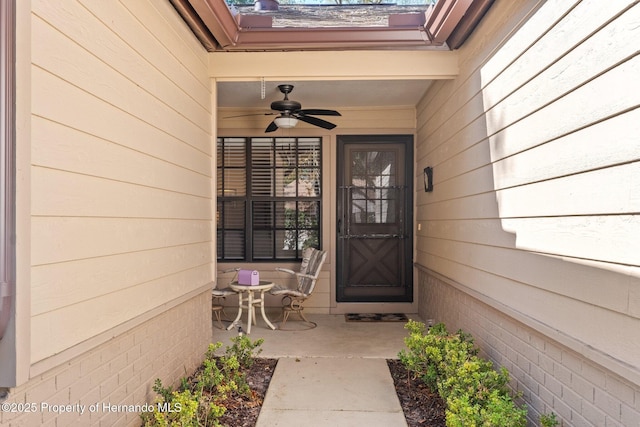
<point x="318" y="112"/>
<point x="247" y="115"/>
<point x="315" y="121"/>
<point x="272" y="127"/>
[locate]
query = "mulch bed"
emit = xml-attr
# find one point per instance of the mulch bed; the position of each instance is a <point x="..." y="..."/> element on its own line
<point x="241" y="411"/>
<point x="421" y="407"/>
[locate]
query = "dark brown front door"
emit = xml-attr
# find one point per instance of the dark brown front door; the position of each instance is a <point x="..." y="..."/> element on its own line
<point x="374" y="211"/>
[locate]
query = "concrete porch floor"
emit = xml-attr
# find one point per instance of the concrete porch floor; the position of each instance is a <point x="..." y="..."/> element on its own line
<point x="334" y="375"/>
<point x="333" y="337"/>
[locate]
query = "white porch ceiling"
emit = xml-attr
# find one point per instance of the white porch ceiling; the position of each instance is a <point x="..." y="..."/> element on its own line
<point x="329" y="80"/>
<point x="324" y="94"/>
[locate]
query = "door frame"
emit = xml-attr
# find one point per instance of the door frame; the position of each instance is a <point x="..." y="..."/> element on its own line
<point x="408" y="140"/>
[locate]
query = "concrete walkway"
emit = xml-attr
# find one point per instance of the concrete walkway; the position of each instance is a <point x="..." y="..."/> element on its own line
<point x="332" y="392"/>
<point x="334" y="375"/>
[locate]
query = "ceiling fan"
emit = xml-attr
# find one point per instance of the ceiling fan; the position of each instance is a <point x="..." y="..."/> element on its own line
<point x="290" y="112"/>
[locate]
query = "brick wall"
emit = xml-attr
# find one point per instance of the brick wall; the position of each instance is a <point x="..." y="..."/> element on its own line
<point x="551" y="377"/>
<point x="119" y="372"/>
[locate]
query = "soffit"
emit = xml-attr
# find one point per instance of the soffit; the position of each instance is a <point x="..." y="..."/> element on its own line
<point x="338" y="65"/>
<point x="329" y="79"/>
<point x="330" y="94"/>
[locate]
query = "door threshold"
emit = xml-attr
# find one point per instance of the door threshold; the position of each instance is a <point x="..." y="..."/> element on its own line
<point x="375" y="307"/>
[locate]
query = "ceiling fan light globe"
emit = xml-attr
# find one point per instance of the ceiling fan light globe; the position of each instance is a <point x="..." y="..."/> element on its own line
<point x="286" y="122"/>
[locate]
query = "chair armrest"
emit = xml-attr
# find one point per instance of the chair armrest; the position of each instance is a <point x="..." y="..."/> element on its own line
<point x="222" y="292"/>
<point x="286" y="270"/>
<point x="280" y="288"/>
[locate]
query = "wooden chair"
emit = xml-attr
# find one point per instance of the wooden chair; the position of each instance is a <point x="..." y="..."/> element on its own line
<point x="293" y="299"/>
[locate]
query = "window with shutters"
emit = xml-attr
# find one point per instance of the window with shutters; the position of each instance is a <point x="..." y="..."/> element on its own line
<point x="269" y="197"/>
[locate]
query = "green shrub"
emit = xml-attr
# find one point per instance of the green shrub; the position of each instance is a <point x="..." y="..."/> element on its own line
<point x="475" y="393"/>
<point x="243" y="349"/>
<point x="200" y="399"/>
<point x="549" y="420"/>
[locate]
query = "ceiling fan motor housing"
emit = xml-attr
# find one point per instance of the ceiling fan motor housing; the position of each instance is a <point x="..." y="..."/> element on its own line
<point x="286" y="104"/>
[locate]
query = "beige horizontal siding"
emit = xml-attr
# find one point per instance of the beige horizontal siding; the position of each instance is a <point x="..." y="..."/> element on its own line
<point x="565" y="58"/>
<point x="591" y="238"/>
<point x="60" y="193"/>
<point x="64" y="148"/>
<point x="65" y="104"/>
<point x="564" y="115"/>
<point x="54" y="289"/>
<point x="141" y="40"/>
<point x="121" y="193"/>
<point x="536" y="167"/>
<point x="114" y="235"/>
<point x="600" y="145"/>
<point x="57" y="330"/>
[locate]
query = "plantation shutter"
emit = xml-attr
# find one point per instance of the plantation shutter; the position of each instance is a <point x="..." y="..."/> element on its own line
<point x="282" y="209"/>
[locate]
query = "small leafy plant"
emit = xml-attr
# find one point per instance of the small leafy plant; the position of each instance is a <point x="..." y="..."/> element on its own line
<point x="244" y="350"/>
<point x="549" y="420"/>
<point x="475" y="393"/>
<point x="200" y="399"/>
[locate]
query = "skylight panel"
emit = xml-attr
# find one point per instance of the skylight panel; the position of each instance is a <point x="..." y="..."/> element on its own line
<point x="330" y="14"/>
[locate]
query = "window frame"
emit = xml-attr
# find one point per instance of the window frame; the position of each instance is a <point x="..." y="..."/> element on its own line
<point x="251" y="200"/>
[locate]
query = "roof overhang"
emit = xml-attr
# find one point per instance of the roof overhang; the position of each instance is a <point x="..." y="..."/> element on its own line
<point x="312" y="65"/>
<point x="447" y="25"/>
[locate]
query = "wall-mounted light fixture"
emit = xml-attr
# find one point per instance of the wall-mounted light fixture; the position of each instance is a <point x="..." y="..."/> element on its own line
<point x="428" y="179"/>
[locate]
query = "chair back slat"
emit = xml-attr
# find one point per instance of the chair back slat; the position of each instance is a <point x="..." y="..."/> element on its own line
<point x="312" y="260"/>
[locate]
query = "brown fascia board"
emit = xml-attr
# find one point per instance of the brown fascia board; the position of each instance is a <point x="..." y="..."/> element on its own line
<point x="469" y="22"/>
<point x="407" y="19"/>
<point x="215" y="15"/>
<point x="329" y="38"/>
<point x="444" y="17"/>
<point x="192" y="19"/>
